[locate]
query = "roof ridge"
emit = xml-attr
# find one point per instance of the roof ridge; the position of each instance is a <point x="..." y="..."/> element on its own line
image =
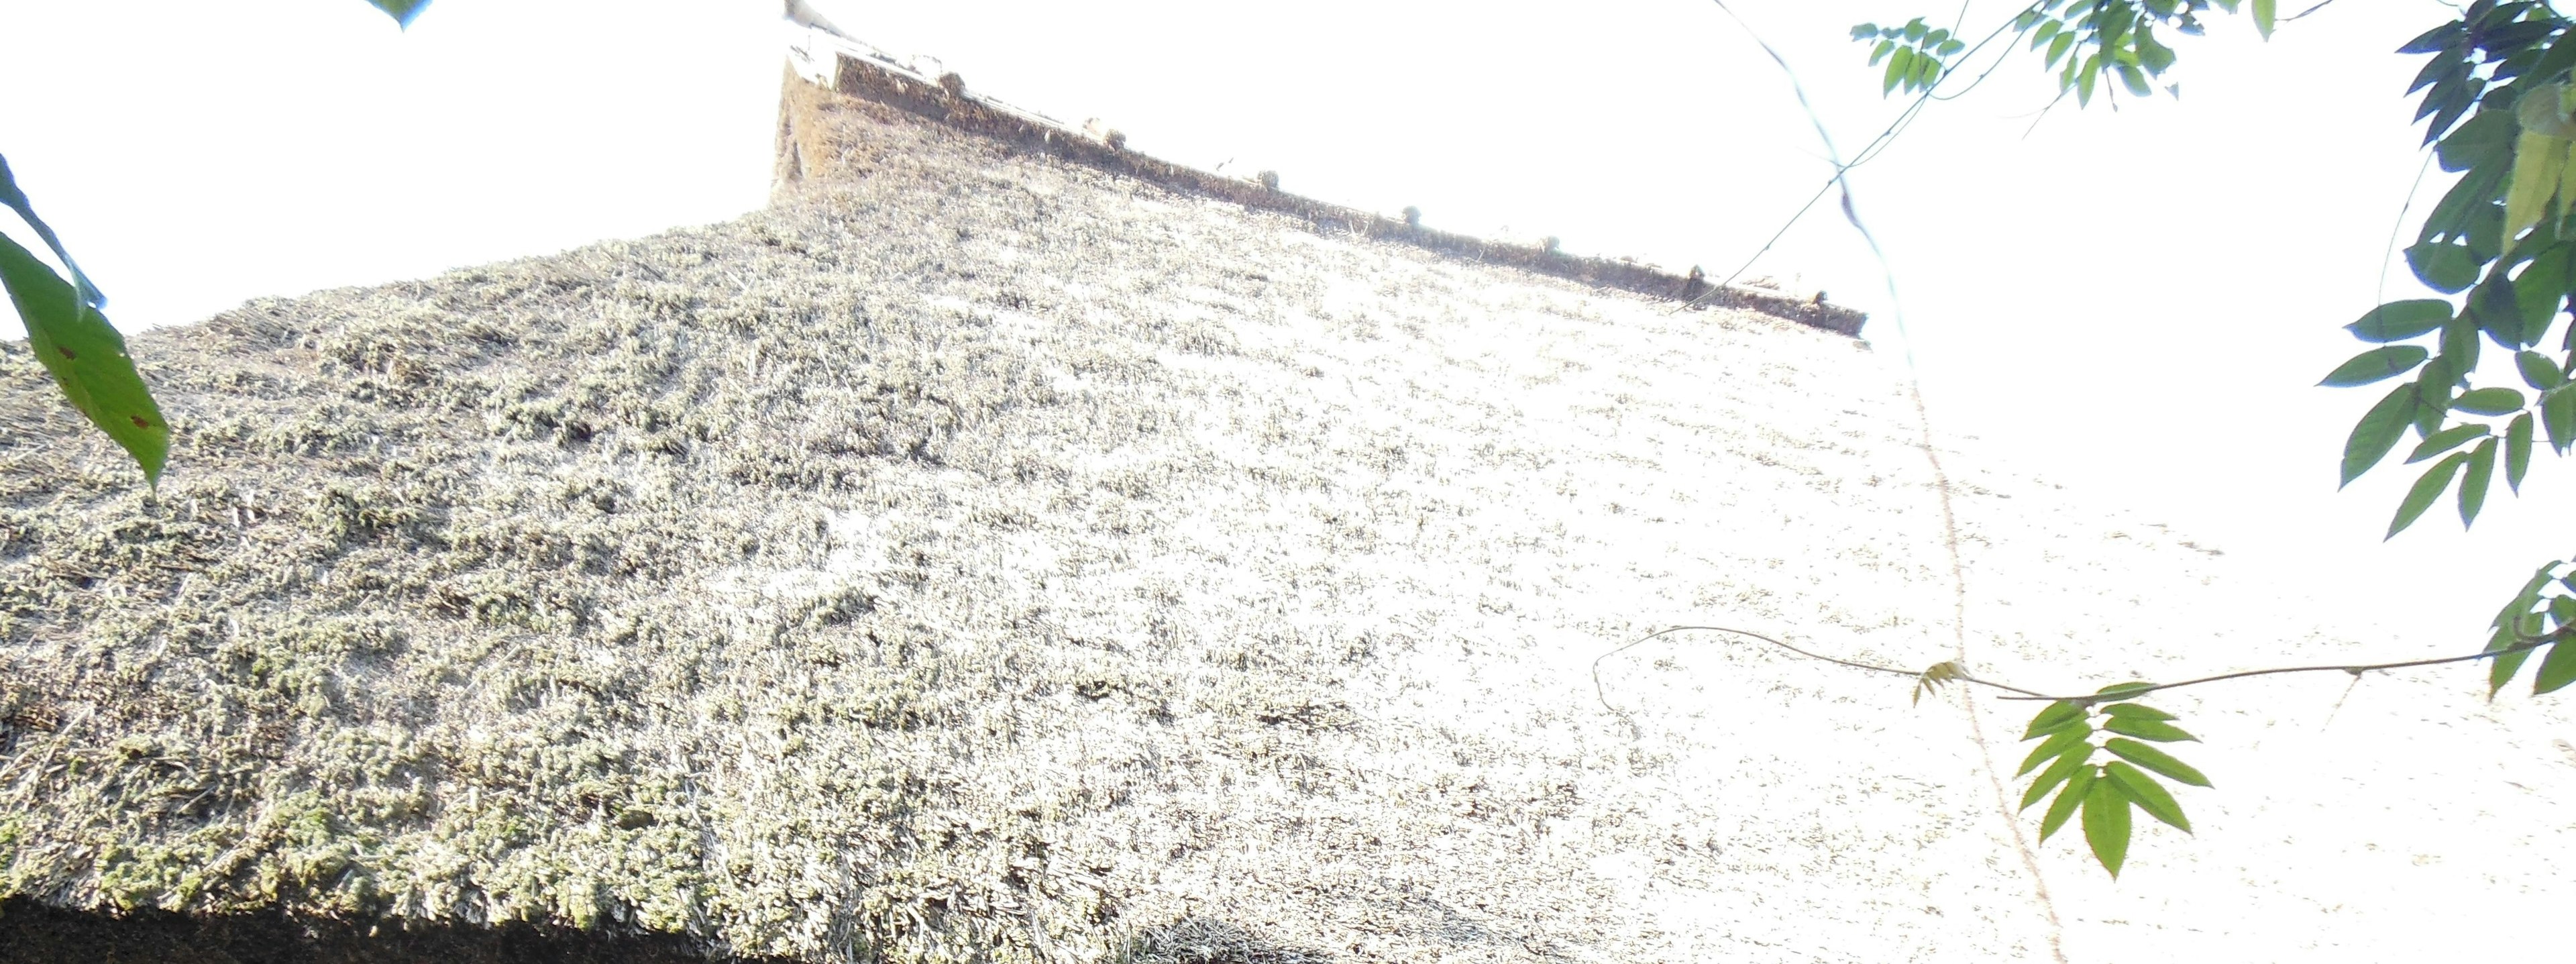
<point x="857" y="69"/>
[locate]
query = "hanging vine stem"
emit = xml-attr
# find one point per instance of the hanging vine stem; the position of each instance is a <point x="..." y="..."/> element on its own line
<point x="1960" y="674"/>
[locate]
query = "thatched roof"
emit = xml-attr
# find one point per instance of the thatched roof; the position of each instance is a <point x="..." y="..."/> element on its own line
<point x="982" y="555"/>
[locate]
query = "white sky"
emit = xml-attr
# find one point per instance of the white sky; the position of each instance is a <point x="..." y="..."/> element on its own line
<point x="2134" y="303"/>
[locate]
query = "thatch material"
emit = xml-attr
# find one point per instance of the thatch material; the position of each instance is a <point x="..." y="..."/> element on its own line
<point x="990" y="558"/>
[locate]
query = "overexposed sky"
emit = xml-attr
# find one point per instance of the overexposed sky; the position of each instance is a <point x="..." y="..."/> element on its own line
<point x="2134" y="302"/>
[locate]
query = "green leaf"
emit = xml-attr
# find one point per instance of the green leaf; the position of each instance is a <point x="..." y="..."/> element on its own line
<point x="2149" y="795"/>
<point x="2486" y="235"/>
<point x="2537" y="161"/>
<point x="2145" y="729"/>
<point x="2506" y="665"/>
<point x="2263" y="11"/>
<point x="2056" y="773"/>
<point x="2566" y="190"/>
<point x="2433" y="396"/>
<point x="87" y="358"/>
<point x="2528" y="596"/>
<point x="2473" y="483"/>
<point x="2137" y="711"/>
<point x="2460" y="345"/>
<point x="2122" y="691"/>
<point x="2539" y="291"/>
<point x="2554" y="61"/>
<point x="2054" y="746"/>
<point x="2505" y="37"/>
<point x="2106" y="824"/>
<point x="2057" y="48"/>
<point x="2427" y="488"/>
<point x="2156" y="760"/>
<point x="2558" y="416"/>
<point x="2377" y="364"/>
<point x="2447" y="101"/>
<point x="2443" y="266"/>
<point x="2538" y="371"/>
<point x="2517" y="451"/>
<point x="1885" y="47"/>
<point x="2556" y="669"/>
<point x="2434" y="39"/>
<point x="1864" y="31"/>
<point x="2135" y="80"/>
<point x="401" y="10"/>
<point x="2474" y="195"/>
<point x="2077" y="786"/>
<point x="1899" y="67"/>
<point x="2486" y="138"/>
<point x="2046" y="32"/>
<point x="2377" y="432"/>
<point x="2489" y="401"/>
<point x="2051" y="717"/>
<point x="2153" y="55"/>
<point x="2444" y="441"/>
<point x="2498" y="309"/>
<point x="2401" y="320"/>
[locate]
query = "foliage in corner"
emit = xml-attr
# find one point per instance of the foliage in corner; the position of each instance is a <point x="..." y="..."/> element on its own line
<point x="73" y="340"/>
<point x="2501" y="113"/>
<point x="71" y="336"/>
<point x="403" y="11"/>
<point x="2499" y="99"/>
<point x="2087" y="42"/>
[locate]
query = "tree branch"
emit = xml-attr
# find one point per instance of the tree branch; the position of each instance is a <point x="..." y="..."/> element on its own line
<point x="2019" y="693"/>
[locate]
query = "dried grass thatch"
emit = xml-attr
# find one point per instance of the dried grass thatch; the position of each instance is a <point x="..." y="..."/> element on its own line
<point x="983" y="557"/>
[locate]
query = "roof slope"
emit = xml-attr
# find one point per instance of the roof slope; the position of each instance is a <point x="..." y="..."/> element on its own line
<point x="986" y="557"/>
